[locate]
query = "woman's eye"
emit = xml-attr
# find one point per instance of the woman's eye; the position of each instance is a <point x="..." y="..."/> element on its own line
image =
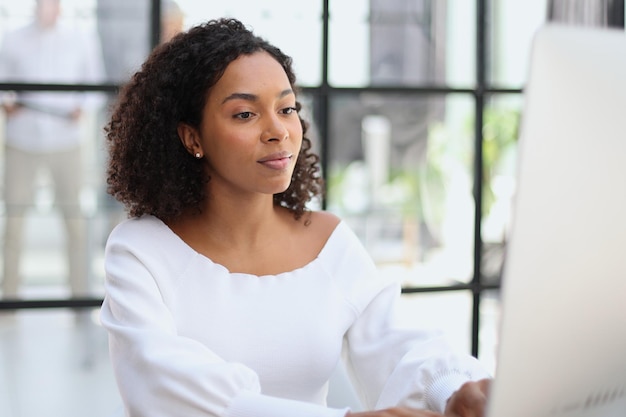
<point x="243" y="115"/>
<point x="289" y="110"/>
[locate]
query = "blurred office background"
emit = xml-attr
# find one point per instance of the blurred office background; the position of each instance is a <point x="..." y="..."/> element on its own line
<point x="415" y="107"/>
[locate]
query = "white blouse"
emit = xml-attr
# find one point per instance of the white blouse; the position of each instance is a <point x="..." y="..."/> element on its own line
<point x="189" y="338"/>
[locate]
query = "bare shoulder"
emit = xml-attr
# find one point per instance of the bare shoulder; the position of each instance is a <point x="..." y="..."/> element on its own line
<point x="316" y="229"/>
<point x="322" y="222"/>
<point x="313" y="230"/>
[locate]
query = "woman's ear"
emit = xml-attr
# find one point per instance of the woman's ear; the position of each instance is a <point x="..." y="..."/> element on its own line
<point x="188" y="135"/>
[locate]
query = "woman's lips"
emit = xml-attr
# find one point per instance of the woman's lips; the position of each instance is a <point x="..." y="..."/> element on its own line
<point x="277" y="161"/>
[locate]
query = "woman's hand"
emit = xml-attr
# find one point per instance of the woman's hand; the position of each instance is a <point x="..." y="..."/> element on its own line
<point x="470" y="400"/>
<point x="396" y="412"/>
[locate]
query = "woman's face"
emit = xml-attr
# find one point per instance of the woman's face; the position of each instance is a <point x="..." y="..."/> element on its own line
<point x="250" y="133"/>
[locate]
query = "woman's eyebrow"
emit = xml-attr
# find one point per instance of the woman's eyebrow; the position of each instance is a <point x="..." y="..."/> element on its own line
<point x="241" y="96"/>
<point x="285" y="92"/>
<point x="254" y="97"/>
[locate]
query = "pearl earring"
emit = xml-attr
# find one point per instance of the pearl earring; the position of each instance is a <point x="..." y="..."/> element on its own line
<point x="198" y="155"/>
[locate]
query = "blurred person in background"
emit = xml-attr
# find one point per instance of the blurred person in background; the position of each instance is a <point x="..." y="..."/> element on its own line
<point x="44" y="132"/>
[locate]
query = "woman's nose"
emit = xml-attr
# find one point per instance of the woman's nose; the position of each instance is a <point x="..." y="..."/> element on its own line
<point x="275" y="129"/>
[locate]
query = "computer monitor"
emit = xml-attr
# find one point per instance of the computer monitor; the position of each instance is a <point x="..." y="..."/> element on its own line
<point x="562" y="347"/>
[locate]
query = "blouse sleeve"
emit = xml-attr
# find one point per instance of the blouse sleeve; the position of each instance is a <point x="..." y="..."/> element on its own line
<point x="391" y="365"/>
<point x="160" y="373"/>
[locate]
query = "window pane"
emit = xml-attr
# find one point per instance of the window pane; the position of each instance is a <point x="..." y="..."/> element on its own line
<point x="500" y="134"/>
<point x="51" y="158"/>
<point x="30" y="54"/>
<point x="513" y="24"/>
<point x="295" y="27"/>
<point x="449" y="312"/>
<point x="490" y="313"/>
<point x="401" y="42"/>
<point x="349" y="40"/>
<point x="124" y="30"/>
<point x="461" y="43"/>
<point x="400" y="174"/>
<point x="55" y="363"/>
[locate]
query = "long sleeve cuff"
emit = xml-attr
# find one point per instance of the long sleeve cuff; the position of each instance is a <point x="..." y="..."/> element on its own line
<point x="442" y="388"/>
<point x="250" y="404"/>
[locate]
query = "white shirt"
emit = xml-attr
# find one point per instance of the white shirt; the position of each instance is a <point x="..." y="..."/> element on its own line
<point x="55" y="55"/>
<point x="189" y="338"/>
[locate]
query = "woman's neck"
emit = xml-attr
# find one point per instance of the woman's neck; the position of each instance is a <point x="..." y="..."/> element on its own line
<point x="244" y="224"/>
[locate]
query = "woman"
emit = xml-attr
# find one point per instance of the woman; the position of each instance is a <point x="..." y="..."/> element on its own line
<point x="225" y="294"/>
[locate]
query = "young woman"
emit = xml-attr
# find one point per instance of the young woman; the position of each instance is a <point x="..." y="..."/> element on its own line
<point x="225" y="294"/>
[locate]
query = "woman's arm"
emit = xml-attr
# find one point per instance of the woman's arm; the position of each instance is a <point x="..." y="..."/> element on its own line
<point x="393" y="365"/>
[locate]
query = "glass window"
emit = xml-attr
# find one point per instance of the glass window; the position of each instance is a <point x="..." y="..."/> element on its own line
<point x="124" y="31"/>
<point x="460" y="52"/>
<point x="400" y="174"/>
<point x="296" y="30"/>
<point x="513" y="24"/>
<point x="49" y="57"/>
<point x="488" y="333"/>
<point x="449" y="312"/>
<point x="401" y="42"/>
<point x="51" y="154"/>
<point x="500" y="134"/>
<point x="348" y="45"/>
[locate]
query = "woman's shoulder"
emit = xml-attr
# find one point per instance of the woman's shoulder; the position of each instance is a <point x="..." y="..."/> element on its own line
<point x="149" y="240"/>
<point x="345" y="257"/>
<point x="341" y="244"/>
<point x="137" y="225"/>
<point x="142" y="233"/>
<point x="323" y="222"/>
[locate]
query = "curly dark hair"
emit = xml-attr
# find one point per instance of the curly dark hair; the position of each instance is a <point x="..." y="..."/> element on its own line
<point x="149" y="170"/>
